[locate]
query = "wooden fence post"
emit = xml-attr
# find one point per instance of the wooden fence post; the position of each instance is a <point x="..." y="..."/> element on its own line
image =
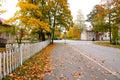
<point x="21" y="58"/>
<point x="4" y="65"/>
<point x="7" y="62"/>
<point x="0" y="66"/>
<point x="10" y="58"/>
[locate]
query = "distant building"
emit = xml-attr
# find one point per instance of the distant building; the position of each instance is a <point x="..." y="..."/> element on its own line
<point x="89" y="34"/>
<point x="4" y="36"/>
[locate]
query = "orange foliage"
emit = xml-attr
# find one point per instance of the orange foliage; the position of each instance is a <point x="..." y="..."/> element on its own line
<point x="73" y="32"/>
<point x="34" y="68"/>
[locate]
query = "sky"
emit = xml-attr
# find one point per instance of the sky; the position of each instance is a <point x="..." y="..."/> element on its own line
<point x="85" y="6"/>
<point x="10" y="7"/>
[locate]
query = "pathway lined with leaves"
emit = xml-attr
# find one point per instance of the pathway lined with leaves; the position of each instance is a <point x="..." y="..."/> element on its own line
<point x="34" y="68"/>
<point x="69" y="64"/>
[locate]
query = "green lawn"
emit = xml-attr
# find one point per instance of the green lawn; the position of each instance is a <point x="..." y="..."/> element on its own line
<point x="107" y="44"/>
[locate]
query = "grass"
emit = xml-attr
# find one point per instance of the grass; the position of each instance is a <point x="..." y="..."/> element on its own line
<point x="107" y="44"/>
<point x="34" y="68"/>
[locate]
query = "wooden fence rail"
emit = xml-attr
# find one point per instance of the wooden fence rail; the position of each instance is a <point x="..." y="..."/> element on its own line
<point x="15" y="55"/>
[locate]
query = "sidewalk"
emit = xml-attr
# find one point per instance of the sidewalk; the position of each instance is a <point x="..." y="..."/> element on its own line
<point x="69" y="64"/>
<point x="34" y="68"/>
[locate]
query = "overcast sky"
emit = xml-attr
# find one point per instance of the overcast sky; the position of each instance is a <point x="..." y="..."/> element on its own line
<point x="10" y="6"/>
<point x="84" y="5"/>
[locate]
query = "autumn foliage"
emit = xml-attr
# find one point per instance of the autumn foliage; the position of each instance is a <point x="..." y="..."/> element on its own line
<point x="42" y="16"/>
<point x="73" y="33"/>
<point x="34" y="68"/>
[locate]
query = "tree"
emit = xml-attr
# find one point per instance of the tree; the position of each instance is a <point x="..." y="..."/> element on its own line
<point x="112" y="8"/>
<point x="58" y="15"/>
<point x="57" y="33"/>
<point x="106" y="17"/>
<point x="116" y="21"/>
<point x="46" y="15"/>
<point x="5" y="28"/>
<point x="97" y="17"/>
<point x="100" y="19"/>
<point x="80" y="21"/>
<point x="29" y="15"/>
<point x="73" y="33"/>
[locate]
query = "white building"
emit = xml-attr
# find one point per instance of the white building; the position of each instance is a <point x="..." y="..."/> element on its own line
<point x="89" y="34"/>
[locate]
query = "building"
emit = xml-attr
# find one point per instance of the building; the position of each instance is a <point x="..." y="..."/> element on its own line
<point x="89" y="34"/>
<point x="5" y="37"/>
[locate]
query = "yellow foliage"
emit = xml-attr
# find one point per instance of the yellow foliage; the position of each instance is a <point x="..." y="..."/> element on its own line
<point x="73" y="32"/>
<point x="29" y="15"/>
<point x="30" y="21"/>
<point x="29" y="9"/>
<point x="57" y="33"/>
<point x="35" y="23"/>
<point x="26" y="6"/>
<point x="62" y="35"/>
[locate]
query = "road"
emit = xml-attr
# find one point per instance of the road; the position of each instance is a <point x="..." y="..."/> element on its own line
<point x="83" y="60"/>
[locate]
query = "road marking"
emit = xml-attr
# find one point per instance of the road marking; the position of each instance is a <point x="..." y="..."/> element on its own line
<point x="83" y="54"/>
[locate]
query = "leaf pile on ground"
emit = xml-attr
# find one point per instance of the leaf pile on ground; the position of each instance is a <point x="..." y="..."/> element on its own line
<point x="33" y="68"/>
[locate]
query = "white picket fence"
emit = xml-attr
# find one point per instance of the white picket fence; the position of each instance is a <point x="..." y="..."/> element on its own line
<point x="15" y="55"/>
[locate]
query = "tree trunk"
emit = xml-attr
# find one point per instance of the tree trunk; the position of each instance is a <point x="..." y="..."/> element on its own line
<point x="52" y="34"/>
<point x="53" y="28"/>
<point x="39" y="36"/>
<point x="43" y="36"/>
<point x="110" y="30"/>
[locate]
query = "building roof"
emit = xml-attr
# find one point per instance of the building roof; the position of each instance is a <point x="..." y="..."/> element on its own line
<point x="2" y="24"/>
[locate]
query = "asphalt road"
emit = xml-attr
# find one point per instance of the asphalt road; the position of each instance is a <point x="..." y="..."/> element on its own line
<point x="82" y="60"/>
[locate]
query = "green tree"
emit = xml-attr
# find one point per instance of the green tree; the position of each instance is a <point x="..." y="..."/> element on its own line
<point x="116" y="21"/>
<point x="58" y="15"/>
<point x="112" y="8"/>
<point x="98" y="19"/>
<point x="106" y="17"/>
